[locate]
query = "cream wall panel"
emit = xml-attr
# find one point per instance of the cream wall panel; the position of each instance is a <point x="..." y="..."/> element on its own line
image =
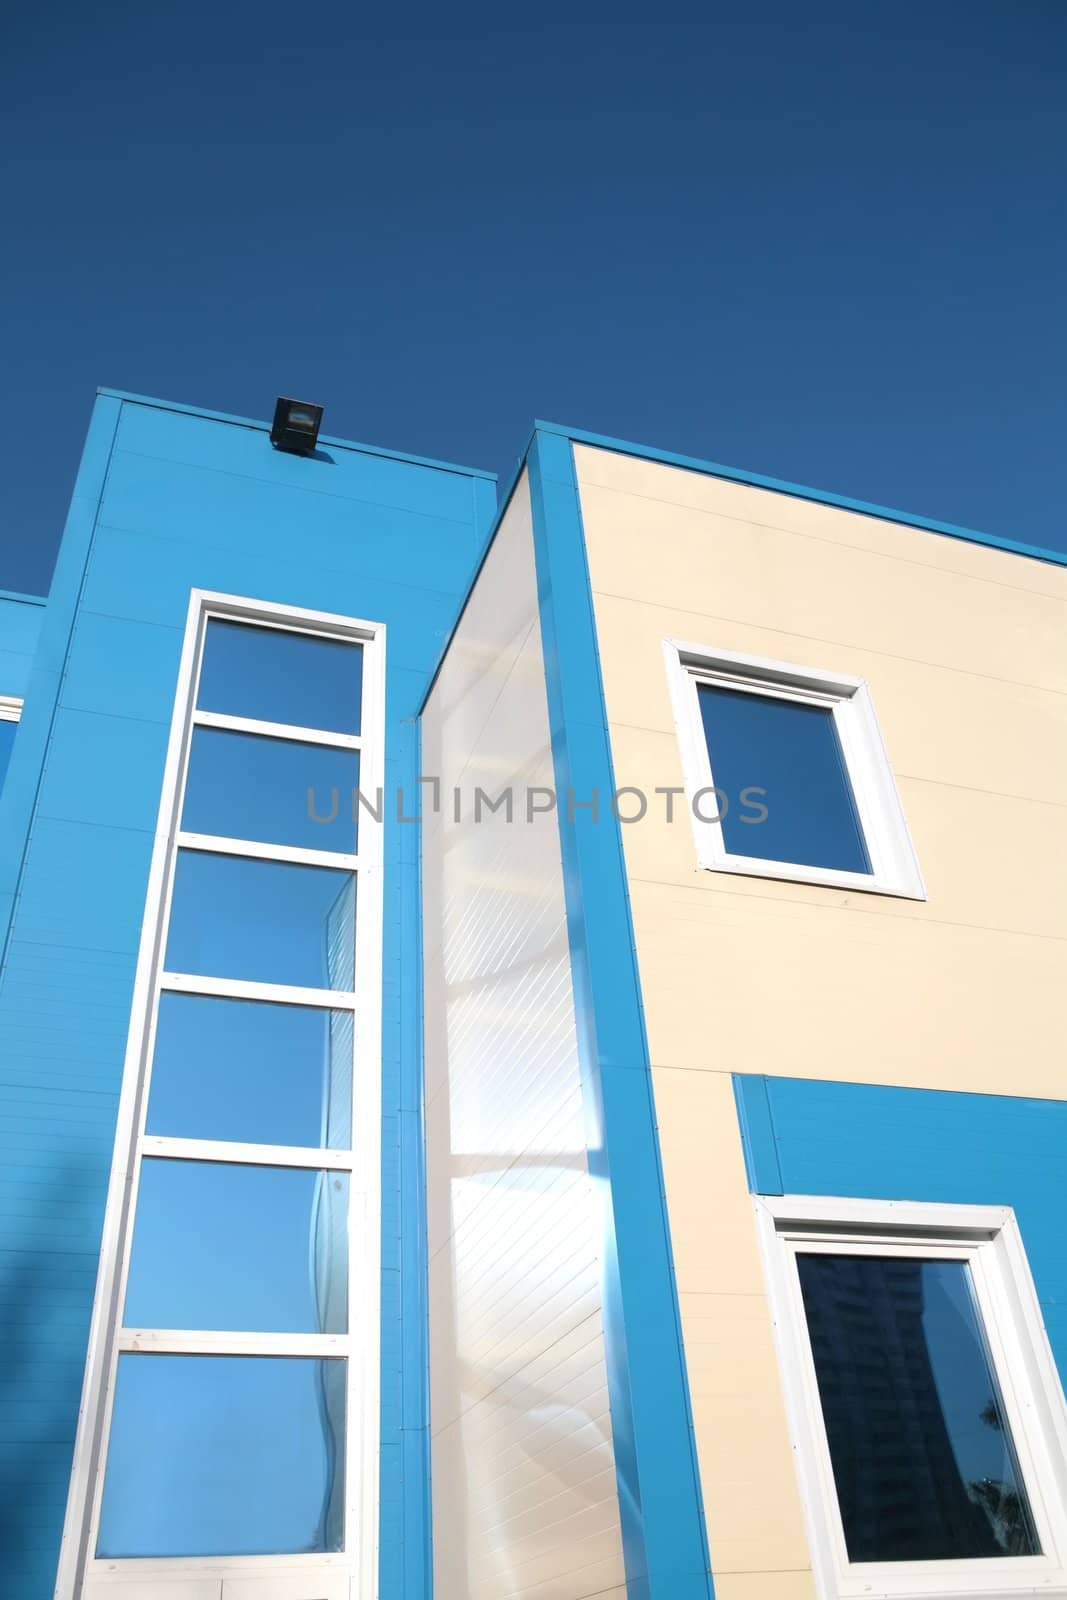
<point x="828" y="591"/>
<point x="856" y="996"/>
<point x="703" y="493"/>
<point x="941" y="725"/>
<point x="936" y="992"/>
<point x="765" y="1586"/>
<point x="990" y="861"/>
<point x="525" y="1502"/>
<point x="751" y="1500"/>
<point x="965" y="650"/>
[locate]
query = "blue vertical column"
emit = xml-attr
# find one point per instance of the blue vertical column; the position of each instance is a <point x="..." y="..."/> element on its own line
<point x="405" y="1564"/>
<point x="659" y="1493"/>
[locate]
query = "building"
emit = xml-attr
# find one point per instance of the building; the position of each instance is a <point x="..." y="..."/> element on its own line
<point x="531" y="1038"/>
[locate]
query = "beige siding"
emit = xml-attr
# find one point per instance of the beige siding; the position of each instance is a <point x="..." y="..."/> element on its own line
<point x="965" y="649"/>
<point x="524" y="1492"/>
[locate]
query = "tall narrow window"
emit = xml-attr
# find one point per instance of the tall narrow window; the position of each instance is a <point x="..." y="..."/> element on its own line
<point x="231" y="1427"/>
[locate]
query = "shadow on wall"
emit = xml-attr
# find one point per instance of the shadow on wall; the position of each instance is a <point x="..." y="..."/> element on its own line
<point x="45" y="1305"/>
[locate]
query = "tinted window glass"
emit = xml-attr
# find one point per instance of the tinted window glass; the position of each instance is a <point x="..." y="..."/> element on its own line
<point x="7" y="739"/>
<point x="224" y="1455"/>
<point x="274" y="676"/>
<point x="273" y="791"/>
<point x="268" y="921"/>
<point x="238" y="1248"/>
<point x="922" y="1454"/>
<point x="793" y="753"/>
<point x="260" y="1074"/>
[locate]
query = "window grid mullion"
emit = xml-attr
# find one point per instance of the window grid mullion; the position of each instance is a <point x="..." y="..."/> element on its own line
<point x="260" y="850"/>
<point x="295" y="733"/>
<point x="252" y="989"/>
<point x="133" y="1340"/>
<point x="162" y="1147"/>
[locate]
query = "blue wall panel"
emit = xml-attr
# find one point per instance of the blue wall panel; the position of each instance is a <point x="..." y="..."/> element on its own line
<point x="876" y="1143"/>
<point x="167" y="501"/>
<point x="21" y="616"/>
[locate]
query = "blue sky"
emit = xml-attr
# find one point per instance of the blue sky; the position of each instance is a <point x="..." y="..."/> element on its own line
<point x="827" y="242"/>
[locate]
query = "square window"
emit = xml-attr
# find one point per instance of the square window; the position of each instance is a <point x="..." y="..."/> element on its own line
<point x="926" y="1412"/>
<point x="787" y="775"/>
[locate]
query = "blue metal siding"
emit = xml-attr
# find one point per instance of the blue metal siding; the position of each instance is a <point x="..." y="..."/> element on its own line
<point x="663" y="1525"/>
<point x="20" y="786"/>
<point x="874" y="1143"/>
<point x="20" y="624"/>
<point x="185" y="501"/>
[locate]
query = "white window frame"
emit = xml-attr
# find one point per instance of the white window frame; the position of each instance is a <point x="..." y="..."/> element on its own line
<point x="988" y="1239"/>
<point x="894" y="864"/>
<point x="354" y="1570"/>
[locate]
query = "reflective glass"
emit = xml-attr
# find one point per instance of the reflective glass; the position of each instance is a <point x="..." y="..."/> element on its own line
<point x="224" y="1247"/>
<point x="273" y="791"/>
<point x="7" y="740"/>
<point x="267" y="921"/>
<point x="922" y="1453"/>
<point x="224" y="1455"/>
<point x="305" y="680"/>
<point x="248" y="1071"/>
<point x="792" y="753"/>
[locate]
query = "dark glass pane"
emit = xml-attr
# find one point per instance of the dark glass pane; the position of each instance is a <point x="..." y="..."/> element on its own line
<point x="792" y="752"/>
<point x="922" y="1455"/>
<point x="272" y="791"/>
<point x="261" y="1074"/>
<point x="7" y="740"/>
<point x="268" y="921"/>
<point x="238" y="1248"/>
<point x="224" y="1455"/>
<point x="274" y="676"/>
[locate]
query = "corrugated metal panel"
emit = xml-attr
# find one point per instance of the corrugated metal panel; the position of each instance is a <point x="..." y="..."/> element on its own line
<point x="524" y="1485"/>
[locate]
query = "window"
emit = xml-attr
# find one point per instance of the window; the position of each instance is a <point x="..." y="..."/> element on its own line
<point x="926" y="1411"/>
<point x="787" y="775"/>
<point x="10" y="712"/>
<point x="231" y="1394"/>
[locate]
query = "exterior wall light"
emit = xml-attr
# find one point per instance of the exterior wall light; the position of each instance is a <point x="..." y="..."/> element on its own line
<point x="296" y="426"/>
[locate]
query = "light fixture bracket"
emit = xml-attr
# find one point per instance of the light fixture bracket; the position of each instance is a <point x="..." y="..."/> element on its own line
<point x="296" y="424"/>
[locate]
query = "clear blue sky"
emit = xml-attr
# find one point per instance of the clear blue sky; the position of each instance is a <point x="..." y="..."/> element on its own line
<point x="824" y="241"/>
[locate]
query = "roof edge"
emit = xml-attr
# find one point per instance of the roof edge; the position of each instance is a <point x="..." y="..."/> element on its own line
<point x="758" y="480"/>
<point x="23" y="599"/>
<point x="325" y="438"/>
